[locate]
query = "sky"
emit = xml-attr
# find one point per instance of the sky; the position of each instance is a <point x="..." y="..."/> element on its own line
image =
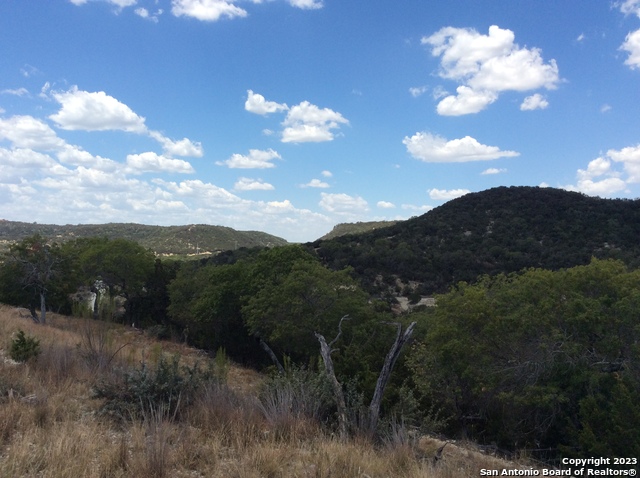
<point x="291" y="116"/>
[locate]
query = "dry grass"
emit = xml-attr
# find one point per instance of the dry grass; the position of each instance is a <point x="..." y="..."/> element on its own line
<point x="49" y="425"/>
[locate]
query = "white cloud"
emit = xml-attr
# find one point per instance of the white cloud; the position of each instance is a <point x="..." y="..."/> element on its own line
<point x="29" y="132"/>
<point x="144" y="13"/>
<point x="411" y="207"/>
<point x="306" y="4"/>
<point x="183" y="147"/>
<point x="605" y="107"/>
<point x="534" y="102"/>
<point x="343" y="203"/>
<point x="206" y="10"/>
<point x="82" y="110"/>
<point x="435" y="149"/>
<point x="494" y="171"/>
<point x="581" y="37"/>
<point x="16" y="92"/>
<point x="248" y="184"/>
<point x="257" y="104"/>
<point x="467" y="101"/>
<point x="385" y="205"/>
<point x="486" y="65"/>
<point x="256" y="159"/>
<point x="315" y="183"/>
<point x="152" y="162"/>
<point x="630" y="159"/>
<point x="418" y="91"/>
<point x="445" y="195"/>
<point x="308" y="123"/>
<point x="600" y="177"/>
<point x="327" y="174"/>
<point x="629" y="7"/>
<point x="632" y="46"/>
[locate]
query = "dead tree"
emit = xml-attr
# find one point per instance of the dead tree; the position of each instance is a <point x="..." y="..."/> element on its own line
<point x="385" y="373"/>
<point x="392" y="356"/>
<point x="325" y="351"/>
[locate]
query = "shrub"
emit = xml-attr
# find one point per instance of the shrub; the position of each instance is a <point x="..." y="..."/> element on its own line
<point x="24" y="347"/>
<point x="135" y="393"/>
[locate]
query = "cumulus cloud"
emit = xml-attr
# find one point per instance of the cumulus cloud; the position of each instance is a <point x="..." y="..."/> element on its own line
<point x="485" y="66"/>
<point x="603" y="179"/>
<point x="632" y="46"/>
<point x="445" y="195"/>
<point x="385" y="205"/>
<point x="436" y="149"/>
<point x="315" y="183"/>
<point x="248" y="184"/>
<point x="256" y="159"/>
<point x="152" y="162"/>
<point x="343" y="203"/>
<point x="306" y="122"/>
<point x="257" y="104"/>
<point x="206" y="10"/>
<point x="25" y="131"/>
<point x="534" y="102"/>
<point x="327" y="174"/>
<point x="144" y="13"/>
<point x="97" y="111"/>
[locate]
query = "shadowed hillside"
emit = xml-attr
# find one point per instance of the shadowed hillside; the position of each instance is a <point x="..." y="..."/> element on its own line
<point x="498" y="230"/>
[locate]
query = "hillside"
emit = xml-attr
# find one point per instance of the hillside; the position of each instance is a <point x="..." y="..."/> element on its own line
<point x="168" y="240"/>
<point x="498" y="230"/>
<point x="52" y="425"/>
<point x="345" y="228"/>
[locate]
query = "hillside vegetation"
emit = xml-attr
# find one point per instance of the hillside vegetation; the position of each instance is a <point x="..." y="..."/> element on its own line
<point x="536" y="352"/>
<point x="498" y="230"/>
<point x="346" y="228"/>
<point x="192" y="239"/>
<point x="53" y="424"/>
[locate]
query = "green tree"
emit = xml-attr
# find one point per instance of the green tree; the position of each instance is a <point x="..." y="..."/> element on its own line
<point x="34" y="264"/>
<point x="514" y="359"/>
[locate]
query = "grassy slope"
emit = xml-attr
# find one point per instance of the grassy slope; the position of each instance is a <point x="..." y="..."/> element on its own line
<point x="49" y="425"/>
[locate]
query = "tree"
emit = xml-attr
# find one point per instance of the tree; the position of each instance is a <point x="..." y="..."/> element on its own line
<point x="523" y="359"/>
<point x="123" y="266"/>
<point x="35" y="263"/>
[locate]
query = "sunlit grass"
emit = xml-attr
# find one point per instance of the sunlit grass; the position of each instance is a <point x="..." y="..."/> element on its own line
<point x="51" y="427"/>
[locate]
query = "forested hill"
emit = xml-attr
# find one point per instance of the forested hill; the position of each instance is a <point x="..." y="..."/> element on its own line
<point x="498" y="230"/>
<point x="190" y="239"/>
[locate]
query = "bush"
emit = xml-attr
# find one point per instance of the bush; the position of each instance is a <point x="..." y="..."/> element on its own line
<point x="136" y="393"/>
<point x="24" y="347"/>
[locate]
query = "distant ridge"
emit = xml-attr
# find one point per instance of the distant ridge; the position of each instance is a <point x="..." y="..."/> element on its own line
<point x="166" y="240"/>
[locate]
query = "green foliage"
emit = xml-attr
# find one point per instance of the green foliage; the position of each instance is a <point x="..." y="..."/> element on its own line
<point x="527" y="360"/>
<point x="500" y="230"/>
<point x="135" y="393"/>
<point x="24" y="347"/>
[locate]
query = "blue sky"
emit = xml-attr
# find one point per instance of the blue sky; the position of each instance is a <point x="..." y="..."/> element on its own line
<point x="290" y="116"/>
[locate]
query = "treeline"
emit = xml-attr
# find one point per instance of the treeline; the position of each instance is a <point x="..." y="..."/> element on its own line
<point x="547" y="361"/>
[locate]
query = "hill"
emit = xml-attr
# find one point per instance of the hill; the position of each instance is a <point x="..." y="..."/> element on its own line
<point x="345" y="228"/>
<point x="53" y="424"/>
<point x="498" y="230"/>
<point x="165" y="240"/>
